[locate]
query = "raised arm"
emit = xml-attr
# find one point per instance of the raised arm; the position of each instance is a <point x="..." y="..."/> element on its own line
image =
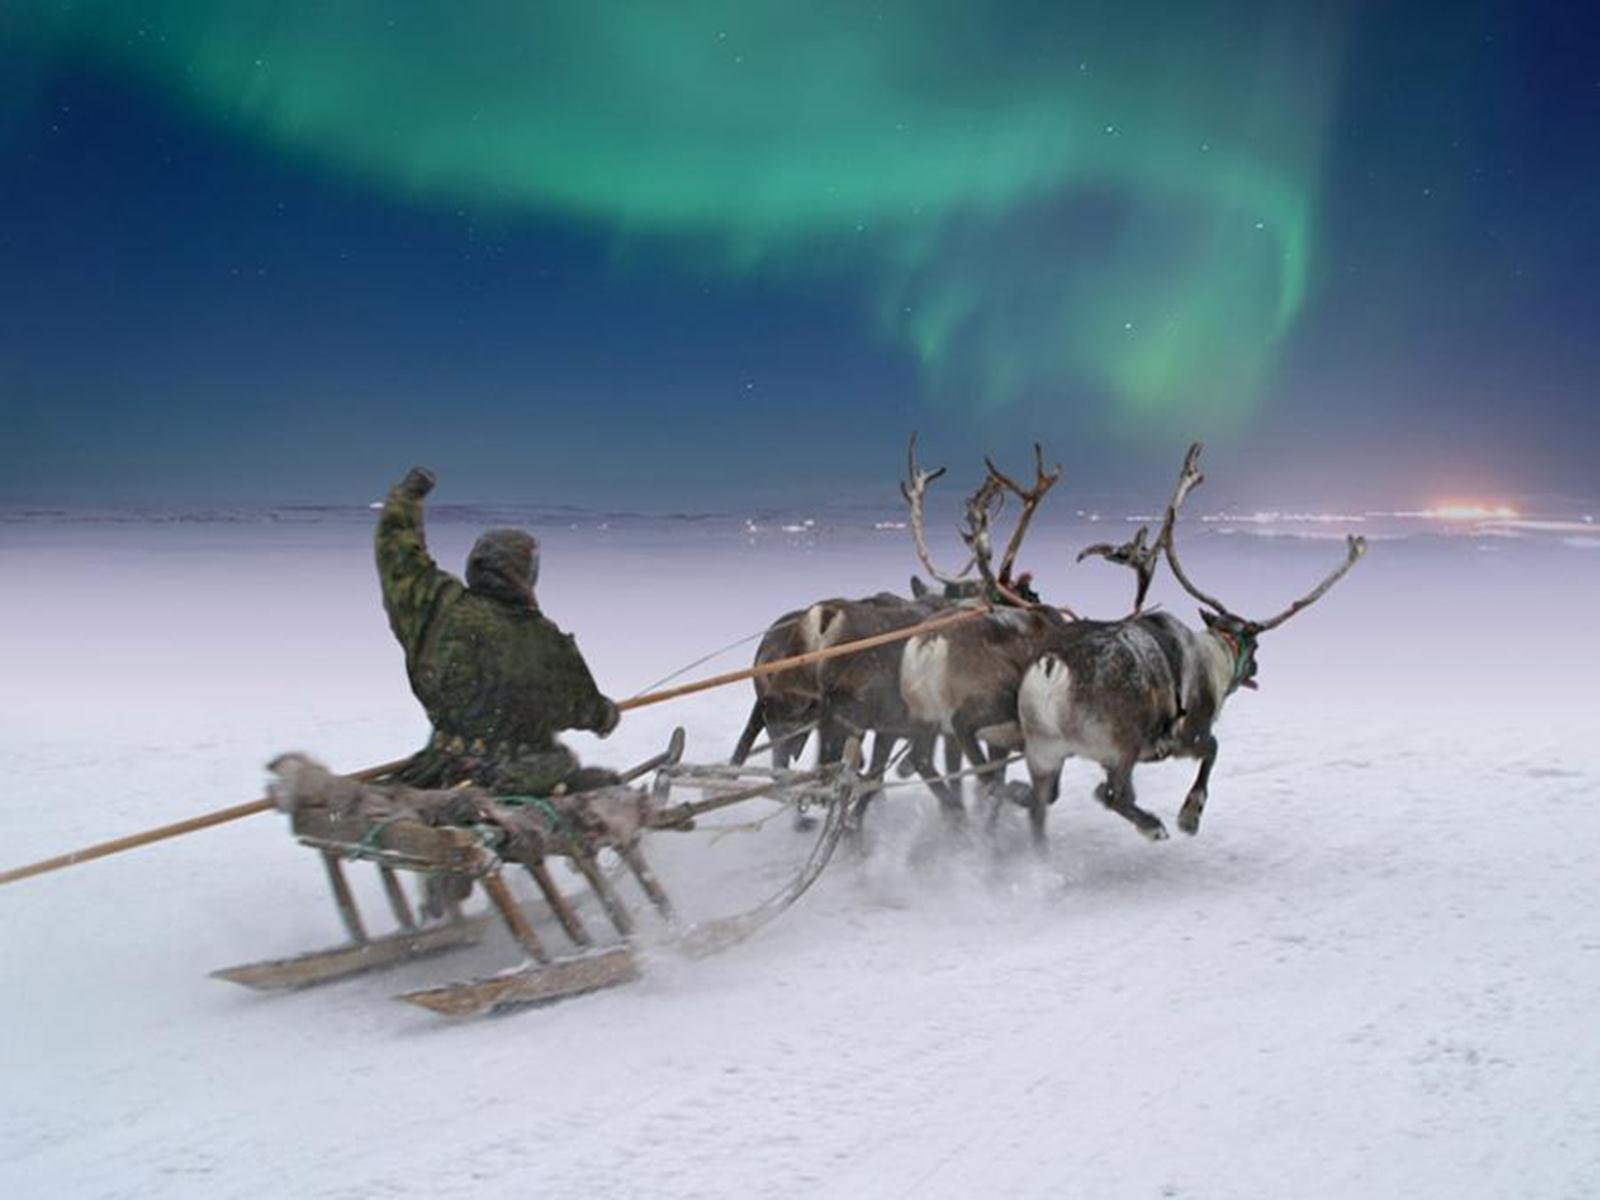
<point x="410" y="579"/>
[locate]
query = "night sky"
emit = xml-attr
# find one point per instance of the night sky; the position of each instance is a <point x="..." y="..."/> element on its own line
<point x="665" y="255"/>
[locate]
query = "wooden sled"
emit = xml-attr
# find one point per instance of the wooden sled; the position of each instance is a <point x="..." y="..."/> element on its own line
<point x="399" y="846"/>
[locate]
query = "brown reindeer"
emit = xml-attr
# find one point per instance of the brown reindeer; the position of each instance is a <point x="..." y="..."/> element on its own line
<point x="788" y="704"/>
<point x="1144" y="688"/>
<point x="861" y="692"/>
<point x="962" y="681"/>
<point x="848" y="696"/>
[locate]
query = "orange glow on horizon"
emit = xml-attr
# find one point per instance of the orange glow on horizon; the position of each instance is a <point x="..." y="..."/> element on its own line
<point x="1469" y="511"/>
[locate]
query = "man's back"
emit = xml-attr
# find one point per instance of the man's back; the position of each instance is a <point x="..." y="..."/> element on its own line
<point x="498" y="680"/>
<point x="487" y="670"/>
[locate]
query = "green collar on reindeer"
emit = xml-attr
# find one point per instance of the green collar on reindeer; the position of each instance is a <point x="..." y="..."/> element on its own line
<point x="1240" y="652"/>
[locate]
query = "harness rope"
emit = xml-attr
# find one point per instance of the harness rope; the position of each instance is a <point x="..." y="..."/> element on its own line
<point x="705" y="658"/>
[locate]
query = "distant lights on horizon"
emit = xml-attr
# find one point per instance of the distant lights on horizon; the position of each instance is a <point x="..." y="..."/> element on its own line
<point x="1469" y="511"/>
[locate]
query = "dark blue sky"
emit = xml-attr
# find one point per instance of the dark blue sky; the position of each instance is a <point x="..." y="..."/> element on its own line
<point x="192" y="311"/>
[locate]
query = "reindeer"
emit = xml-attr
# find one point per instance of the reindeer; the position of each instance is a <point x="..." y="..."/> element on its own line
<point x="963" y="681"/>
<point x="788" y="704"/>
<point x="851" y="695"/>
<point x="1144" y="688"/>
<point x="861" y="692"/>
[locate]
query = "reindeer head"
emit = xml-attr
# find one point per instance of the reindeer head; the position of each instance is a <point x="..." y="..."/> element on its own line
<point x="1240" y="635"/>
<point x="1240" y="639"/>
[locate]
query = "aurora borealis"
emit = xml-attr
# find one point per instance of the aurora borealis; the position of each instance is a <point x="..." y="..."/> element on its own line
<point x="1109" y="215"/>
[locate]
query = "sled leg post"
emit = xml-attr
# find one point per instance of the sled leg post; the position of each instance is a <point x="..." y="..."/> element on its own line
<point x="559" y="904"/>
<point x="647" y="879"/>
<point x="500" y="897"/>
<point x="615" y="909"/>
<point x="342" y="896"/>
<point x="397" y="898"/>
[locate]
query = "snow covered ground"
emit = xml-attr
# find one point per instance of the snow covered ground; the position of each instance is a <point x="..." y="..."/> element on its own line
<point x="1376" y="972"/>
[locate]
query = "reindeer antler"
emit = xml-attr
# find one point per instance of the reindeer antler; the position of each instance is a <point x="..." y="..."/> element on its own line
<point x="1143" y="558"/>
<point x="1190" y="478"/>
<point x="914" y="489"/>
<point x="1043" y="481"/>
<point x="981" y="506"/>
<point x="1355" y="547"/>
<point x="1132" y="553"/>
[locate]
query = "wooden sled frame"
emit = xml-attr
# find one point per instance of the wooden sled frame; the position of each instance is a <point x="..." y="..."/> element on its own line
<point x="404" y="845"/>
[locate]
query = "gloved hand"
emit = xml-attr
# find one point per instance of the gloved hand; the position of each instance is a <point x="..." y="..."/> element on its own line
<point x="611" y="718"/>
<point x="418" y="483"/>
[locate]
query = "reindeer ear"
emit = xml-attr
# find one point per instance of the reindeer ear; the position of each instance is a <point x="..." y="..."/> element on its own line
<point x="918" y="588"/>
<point x="1209" y="617"/>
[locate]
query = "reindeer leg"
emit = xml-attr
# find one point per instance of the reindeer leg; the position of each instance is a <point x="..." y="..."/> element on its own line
<point x="952" y="766"/>
<point x="967" y="737"/>
<point x="949" y="798"/>
<point x="752" y="730"/>
<point x="992" y="783"/>
<point x="1195" y="803"/>
<point x="882" y="748"/>
<point x="1116" y="793"/>
<point x="1046" y="787"/>
<point x="831" y="737"/>
<point x="786" y="746"/>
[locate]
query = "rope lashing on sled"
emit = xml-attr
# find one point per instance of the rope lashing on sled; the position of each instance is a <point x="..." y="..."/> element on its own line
<point x="235" y="812"/>
<point x="558" y="823"/>
<point x="369" y="839"/>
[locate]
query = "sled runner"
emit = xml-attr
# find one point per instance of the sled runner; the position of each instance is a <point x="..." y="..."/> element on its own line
<point x="468" y="837"/>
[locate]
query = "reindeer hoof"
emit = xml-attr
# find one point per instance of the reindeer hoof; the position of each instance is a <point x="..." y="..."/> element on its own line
<point x="1156" y="832"/>
<point x="1189" y="815"/>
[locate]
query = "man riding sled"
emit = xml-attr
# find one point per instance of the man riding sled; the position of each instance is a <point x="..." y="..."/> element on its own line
<point x="497" y="678"/>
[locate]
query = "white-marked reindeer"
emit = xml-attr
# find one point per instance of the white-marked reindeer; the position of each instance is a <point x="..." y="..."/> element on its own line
<point x="962" y="681"/>
<point x="1144" y="688"/>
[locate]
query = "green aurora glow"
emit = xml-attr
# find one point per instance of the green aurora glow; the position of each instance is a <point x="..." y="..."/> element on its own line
<point x="1040" y="200"/>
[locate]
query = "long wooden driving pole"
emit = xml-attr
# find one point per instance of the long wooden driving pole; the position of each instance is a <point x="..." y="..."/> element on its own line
<point x="222" y="816"/>
<point x="800" y="660"/>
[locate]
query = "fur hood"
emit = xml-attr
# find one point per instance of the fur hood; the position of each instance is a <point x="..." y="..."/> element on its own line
<point x="504" y="564"/>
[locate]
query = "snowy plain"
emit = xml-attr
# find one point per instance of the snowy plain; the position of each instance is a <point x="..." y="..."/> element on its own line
<point x="1375" y="972"/>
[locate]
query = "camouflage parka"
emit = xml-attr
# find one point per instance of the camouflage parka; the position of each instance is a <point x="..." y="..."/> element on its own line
<point x="497" y="678"/>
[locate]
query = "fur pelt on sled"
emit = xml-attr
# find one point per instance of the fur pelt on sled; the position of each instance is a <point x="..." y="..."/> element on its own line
<point x="601" y="817"/>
